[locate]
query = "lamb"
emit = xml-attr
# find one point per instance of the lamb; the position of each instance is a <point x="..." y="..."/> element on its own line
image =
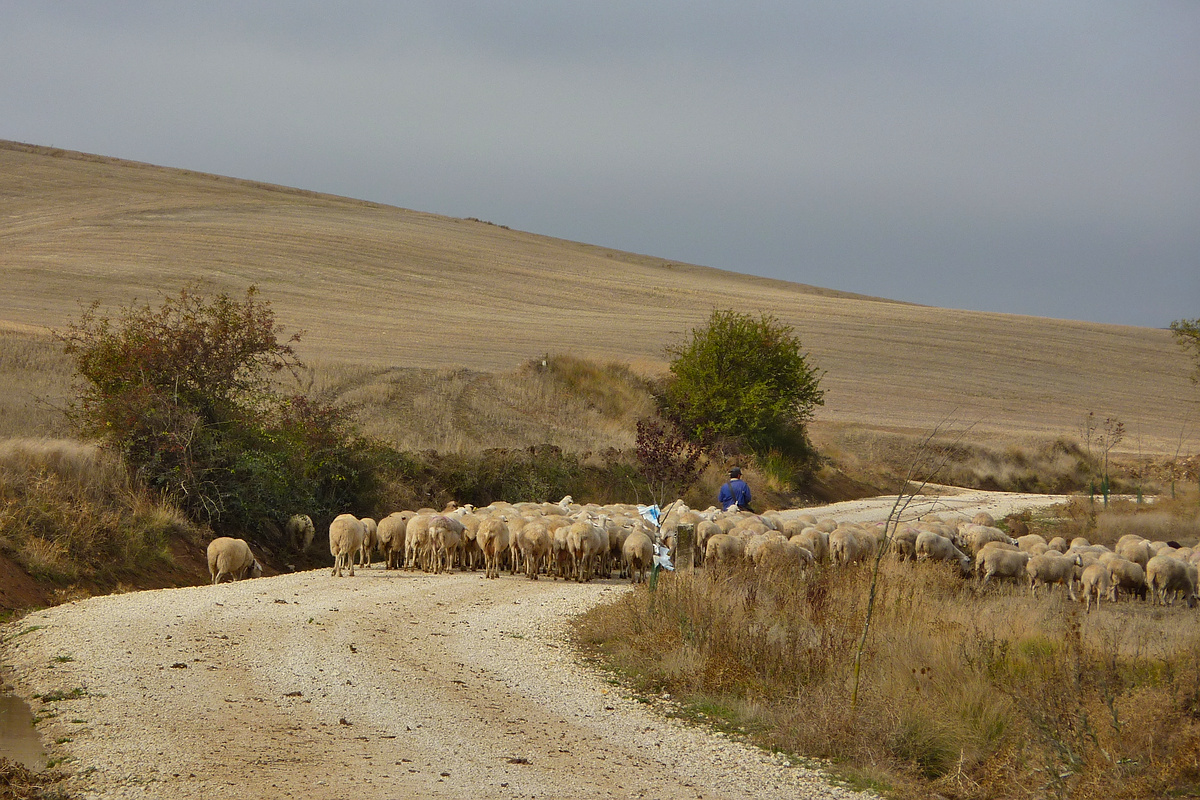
<point x="346" y="534"/>
<point x="300" y="531"/>
<point x="638" y="554"/>
<point x="997" y="562"/>
<point x="1094" y="583"/>
<point x="934" y="546"/>
<point x="370" y="540"/>
<point x="1050" y="568"/>
<point x="1168" y="577"/>
<point x="391" y="533"/>
<point x="231" y="557"/>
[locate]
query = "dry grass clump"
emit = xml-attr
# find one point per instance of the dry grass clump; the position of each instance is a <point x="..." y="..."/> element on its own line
<point x="36" y="378"/>
<point x="1050" y="466"/>
<point x="68" y="511"/>
<point x="965" y="695"/>
<point x="572" y="403"/>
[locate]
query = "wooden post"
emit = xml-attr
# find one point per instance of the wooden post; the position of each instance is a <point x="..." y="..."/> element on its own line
<point x="685" y="547"/>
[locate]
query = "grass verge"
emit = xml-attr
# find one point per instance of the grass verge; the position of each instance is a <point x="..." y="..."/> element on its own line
<point x="964" y="694"/>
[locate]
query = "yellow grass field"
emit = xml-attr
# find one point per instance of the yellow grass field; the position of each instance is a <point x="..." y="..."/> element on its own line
<point x="378" y="288"/>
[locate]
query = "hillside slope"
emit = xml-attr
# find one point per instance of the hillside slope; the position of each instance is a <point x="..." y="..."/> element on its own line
<point x="378" y="287"/>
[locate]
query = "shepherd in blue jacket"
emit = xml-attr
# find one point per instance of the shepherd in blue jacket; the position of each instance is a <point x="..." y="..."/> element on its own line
<point x="734" y="492"/>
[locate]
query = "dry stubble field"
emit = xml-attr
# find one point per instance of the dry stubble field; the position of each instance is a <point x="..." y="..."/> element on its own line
<point x="378" y="288"/>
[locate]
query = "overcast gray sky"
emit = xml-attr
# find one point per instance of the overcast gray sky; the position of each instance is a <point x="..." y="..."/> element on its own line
<point x="1027" y="157"/>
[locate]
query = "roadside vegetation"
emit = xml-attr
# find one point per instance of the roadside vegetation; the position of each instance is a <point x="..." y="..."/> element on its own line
<point x="964" y="693"/>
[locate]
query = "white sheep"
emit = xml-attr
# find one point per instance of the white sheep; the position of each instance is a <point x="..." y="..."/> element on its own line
<point x="1050" y="568"/>
<point x="585" y="541"/>
<point x="851" y="545"/>
<point x="492" y="538"/>
<point x="346" y="534"/>
<point x="998" y="562"/>
<point x="370" y="541"/>
<point x="535" y="543"/>
<point x="391" y="533"/>
<point x="445" y="541"/>
<point x="1127" y="576"/>
<point x="1168" y="577"/>
<point x="723" y="549"/>
<point x="638" y="553"/>
<point x="231" y="557"/>
<point x="300" y="531"/>
<point x="935" y="547"/>
<point x="1094" y="582"/>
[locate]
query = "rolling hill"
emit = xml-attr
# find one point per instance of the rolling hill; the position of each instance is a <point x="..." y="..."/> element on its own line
<point x="378" y="287"/>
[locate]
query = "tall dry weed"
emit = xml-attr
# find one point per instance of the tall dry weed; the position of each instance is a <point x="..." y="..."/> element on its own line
<point x="68" y="511"/>
<point x="965" y="693"/>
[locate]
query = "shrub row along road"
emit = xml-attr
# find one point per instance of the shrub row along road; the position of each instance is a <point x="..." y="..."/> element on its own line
<point x="385" y="685"/>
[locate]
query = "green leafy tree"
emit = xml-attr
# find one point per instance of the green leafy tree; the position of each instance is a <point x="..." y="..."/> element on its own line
<point x="744" y="379"/>
<point x="187" y="393"/>
<point x="1187" y="334"/>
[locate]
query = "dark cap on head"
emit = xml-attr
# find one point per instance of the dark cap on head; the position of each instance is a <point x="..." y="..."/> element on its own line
<point x="736" y="472"/>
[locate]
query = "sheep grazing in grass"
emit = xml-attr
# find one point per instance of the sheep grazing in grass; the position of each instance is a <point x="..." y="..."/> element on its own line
<point x="850" y="546"/>
<point x="1125" y="576"/>
<point x="934" y="547"/>
<point x="1094" y="583"/>
<point x="904" y="543"/>
<point x="638" y="554"/>
<point x="391" y="534"/>
<point x="228" y="557"/>
<point x="1058" y="544"/>
<point x="300" y="531"/>
<point x="815" y="542"/>
<point x="998" y="562"/>
<point x="1136" y="550"/>
<point x="346" y="534"/>
<point x="1050" y="568"/>
<point x="1169" y="577"/>
<point x="724" y="549"/>
<point x="985" y="519"/>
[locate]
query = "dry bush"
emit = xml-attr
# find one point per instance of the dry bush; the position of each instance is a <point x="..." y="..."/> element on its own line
<point x="964" y="694"/>
<point x="68" y="511"/>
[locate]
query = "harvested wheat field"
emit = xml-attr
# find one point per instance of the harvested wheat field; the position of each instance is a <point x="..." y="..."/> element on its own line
<point x="379" y="287"/>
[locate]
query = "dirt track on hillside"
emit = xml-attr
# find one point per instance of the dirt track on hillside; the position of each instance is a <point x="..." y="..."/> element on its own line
<point x="389" y="684"/>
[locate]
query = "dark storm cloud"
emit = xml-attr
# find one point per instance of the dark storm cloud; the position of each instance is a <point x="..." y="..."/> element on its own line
<point x="1024" y="157"/>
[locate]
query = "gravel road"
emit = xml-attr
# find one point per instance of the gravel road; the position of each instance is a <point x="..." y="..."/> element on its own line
<point x="385" y="685"/>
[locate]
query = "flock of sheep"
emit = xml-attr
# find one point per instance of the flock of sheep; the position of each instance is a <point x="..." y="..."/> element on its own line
<point x="572" y="541"/>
